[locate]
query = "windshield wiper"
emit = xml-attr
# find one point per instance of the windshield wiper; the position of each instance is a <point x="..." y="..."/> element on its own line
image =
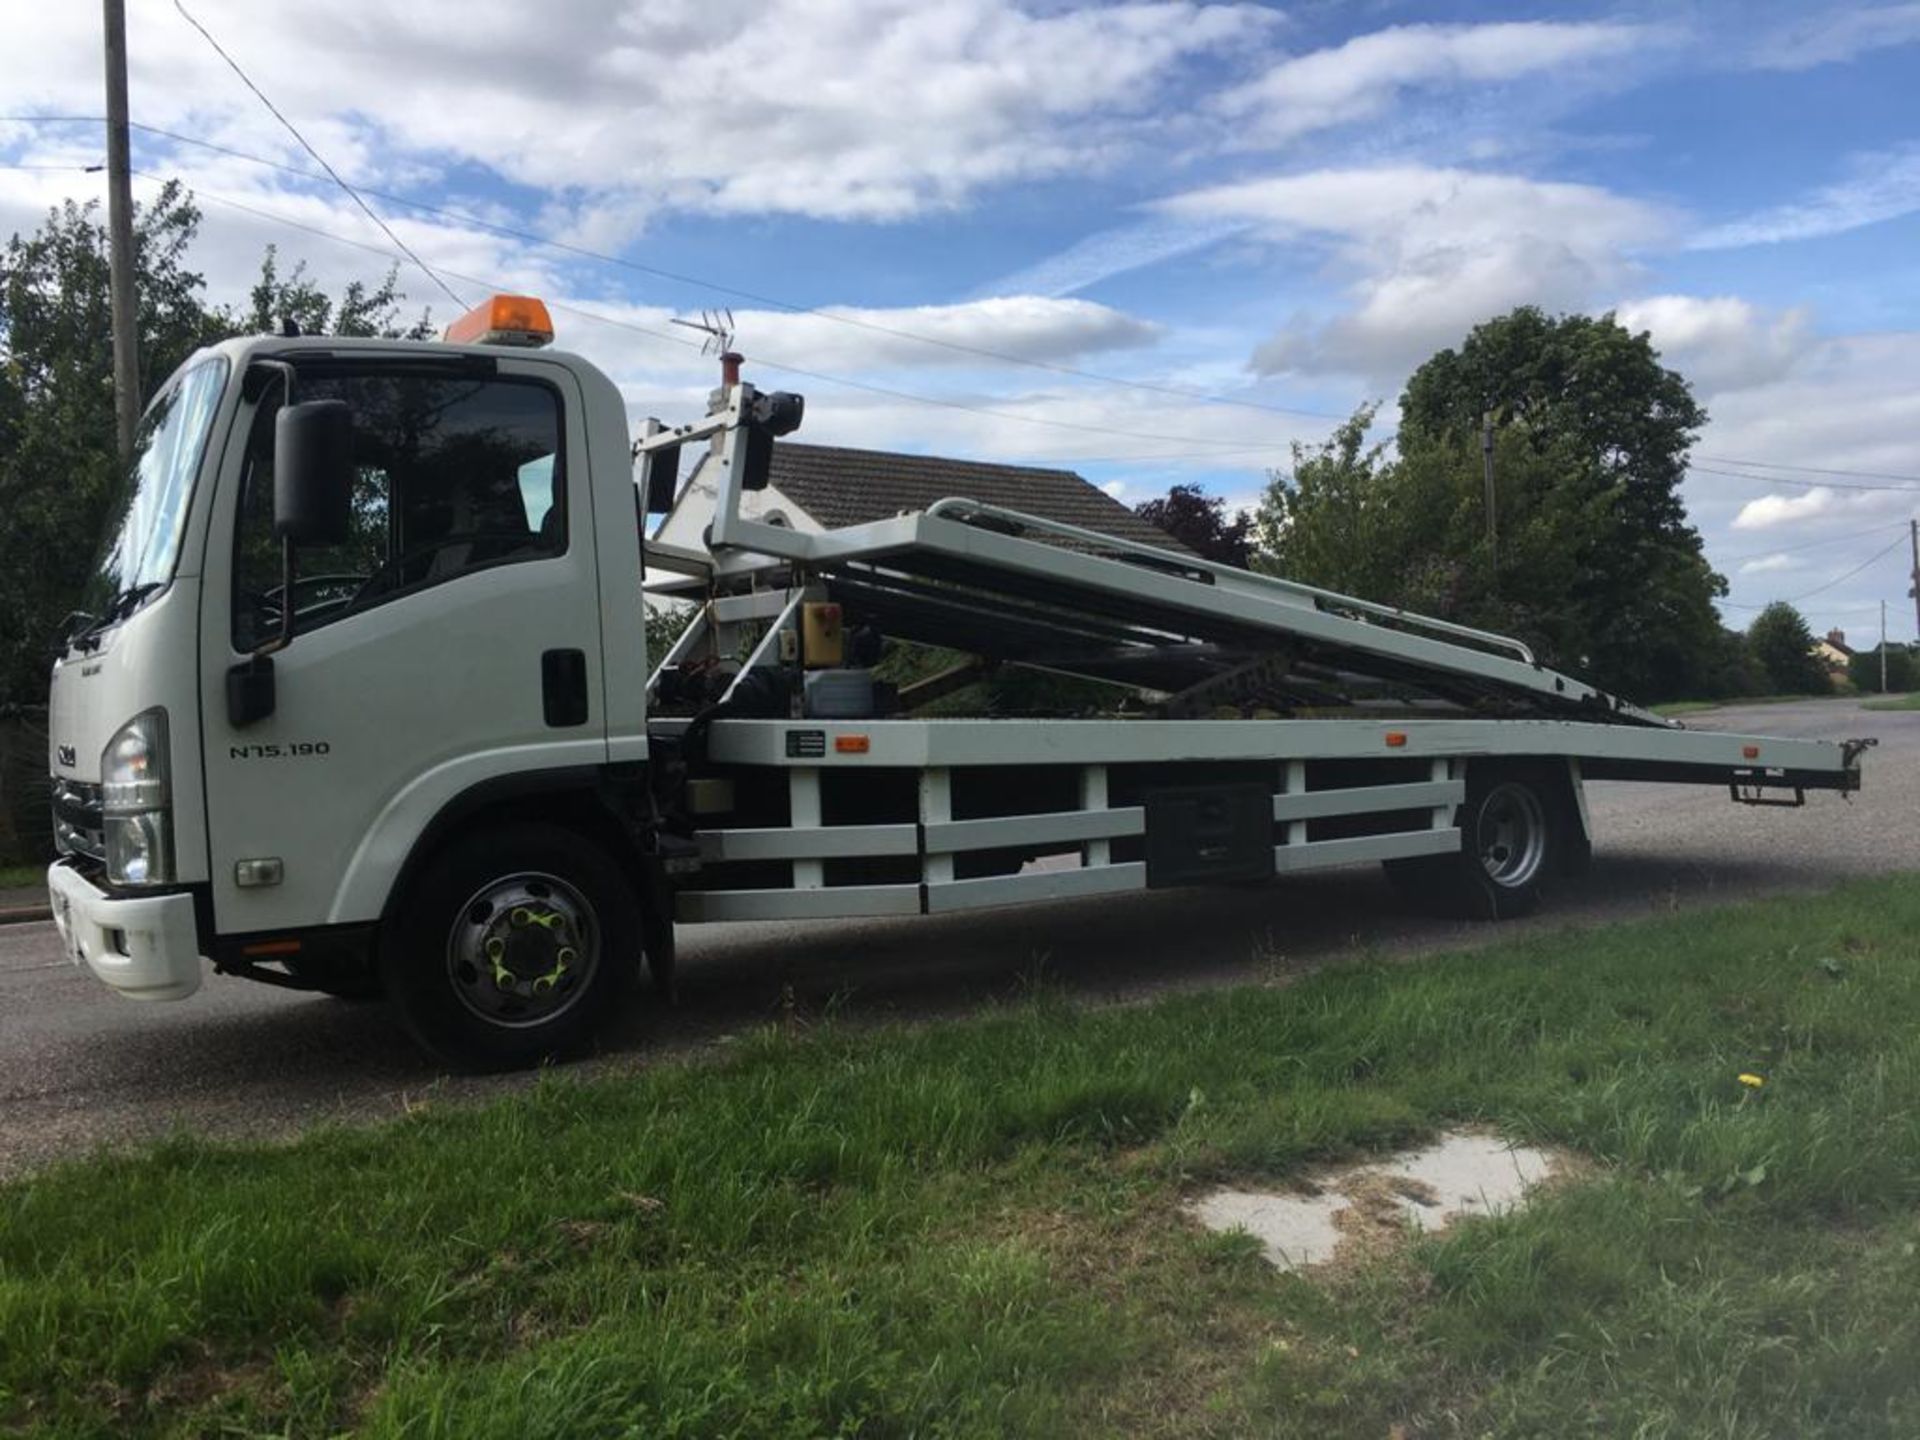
<point x="77" y="623"/>
<point x="119" y="607"/>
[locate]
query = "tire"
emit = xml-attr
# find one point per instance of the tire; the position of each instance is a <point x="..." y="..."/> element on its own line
<point x="511" y="947"/>
<point x="1512" y="836"/>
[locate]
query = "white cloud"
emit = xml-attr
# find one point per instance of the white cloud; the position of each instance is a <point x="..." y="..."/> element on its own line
<point x="1850" y="403"/>
<point x="1826" y="37"/>
<point x="843" y="109"/>
<point x="1770" y="564"/>
<point x="868" y="341"/>
<point x="1031" y="327"/>
<point x="1720" y="342"/>
<point x="1881" y="186"/>
<point x="1107" y="253"/>
<point x="1434" y="251"/>
<point x="1360" y="79"/>
<point x="1770" y="512"/>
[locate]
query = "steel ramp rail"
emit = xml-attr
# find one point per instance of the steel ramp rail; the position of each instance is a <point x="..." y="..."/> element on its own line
<point x="1176" y="596"/>
<point x="959" y="545"/>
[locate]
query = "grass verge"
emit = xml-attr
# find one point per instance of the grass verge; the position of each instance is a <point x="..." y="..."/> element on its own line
<point x="1893" y="702"/>
<point x="21" y="877"/>
<point x="973" y="1228"/>
<point x="1672" y="708"/>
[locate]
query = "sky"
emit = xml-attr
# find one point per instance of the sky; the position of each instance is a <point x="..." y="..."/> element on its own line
<point x="1157" y="242"/>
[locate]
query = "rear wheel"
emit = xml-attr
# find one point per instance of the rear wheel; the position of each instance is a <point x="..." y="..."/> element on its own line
<point x="514" y="944"/>
<point x="1510" y="838"/>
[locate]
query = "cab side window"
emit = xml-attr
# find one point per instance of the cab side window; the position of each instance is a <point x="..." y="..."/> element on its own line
<point x="452" y="475"/>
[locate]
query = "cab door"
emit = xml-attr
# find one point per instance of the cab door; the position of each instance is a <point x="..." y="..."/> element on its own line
<point x="452" y="642"/>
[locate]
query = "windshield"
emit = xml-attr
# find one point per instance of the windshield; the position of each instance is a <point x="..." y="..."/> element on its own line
<point x="149" y="510"/>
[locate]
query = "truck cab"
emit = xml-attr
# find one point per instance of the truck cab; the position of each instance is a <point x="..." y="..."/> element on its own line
<point x="270" y="726"/>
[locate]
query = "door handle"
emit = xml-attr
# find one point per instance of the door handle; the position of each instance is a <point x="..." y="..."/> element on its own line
<point x="563" y="687"/>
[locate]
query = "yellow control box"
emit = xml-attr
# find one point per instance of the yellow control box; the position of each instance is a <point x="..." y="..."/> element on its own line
<point x="822" y="640"/>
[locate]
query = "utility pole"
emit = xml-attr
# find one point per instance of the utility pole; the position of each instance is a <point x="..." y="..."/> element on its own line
<point x="1883" y="647"/>
<point x="1493" y="524"/>
<point x="126" y="342"/>
<point x="1913" y="529"/>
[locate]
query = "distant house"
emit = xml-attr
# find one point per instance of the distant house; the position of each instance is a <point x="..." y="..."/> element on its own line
<point x="825" y="487"/>
<point x="1834" y="653"/>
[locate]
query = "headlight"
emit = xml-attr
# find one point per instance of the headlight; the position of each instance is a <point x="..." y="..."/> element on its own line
<point x="135" y="803"/>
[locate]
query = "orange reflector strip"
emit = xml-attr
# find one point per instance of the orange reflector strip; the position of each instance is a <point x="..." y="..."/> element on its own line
<point x="1396" y="739"/>
<point x="503" y="320"/>
<point x="851" y="744"/>
<point x="1752" y="752"/>
<point x="272" y="947"/>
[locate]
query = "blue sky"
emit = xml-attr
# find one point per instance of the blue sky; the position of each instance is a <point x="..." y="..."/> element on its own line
<point x="1185" y="235"/>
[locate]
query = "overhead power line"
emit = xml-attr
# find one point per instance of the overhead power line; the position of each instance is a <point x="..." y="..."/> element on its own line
<point x="1877" y="556"/>
<point x="319" y="159"/>
<point x="768" y="363"/>
<point x="1810" y="469"/>
<point x="717" y="287"/>
<point x="1814" y="544"/>
<point x="736" y="292"/>
<point x="1802" y="484"/>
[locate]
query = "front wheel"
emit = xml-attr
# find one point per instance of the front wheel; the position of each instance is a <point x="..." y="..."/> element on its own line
<point x="514" y="944"/>
<point x="1510" y="836"/>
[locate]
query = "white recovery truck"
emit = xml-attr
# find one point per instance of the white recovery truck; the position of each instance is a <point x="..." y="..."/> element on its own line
<point x="364" y="704"/>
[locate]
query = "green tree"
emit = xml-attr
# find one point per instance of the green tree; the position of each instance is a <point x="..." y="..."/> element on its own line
<point x="1729" y="669"/>
<point x="58" y="452"/>
<point x="360" y="310"/>
<point x="1595" y="565"/>
<point x="1902" y="670"/>
<point x="1411" y="531"/>
<point x="1620" y="424"/>
<point x="1582" y="378"/>
<point x="1783" y="645"/>
<point x="1332" y="520"/>
<point x="59" y="470"/>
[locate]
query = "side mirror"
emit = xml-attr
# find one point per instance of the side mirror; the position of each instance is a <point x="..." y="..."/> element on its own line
<point x="771" y="416"/>
<point x="313" y="473"/>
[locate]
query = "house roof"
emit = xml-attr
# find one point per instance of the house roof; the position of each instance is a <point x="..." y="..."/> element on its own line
<point x="839" y="487"/>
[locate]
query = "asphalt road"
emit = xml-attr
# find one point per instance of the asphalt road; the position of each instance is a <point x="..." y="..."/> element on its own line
<point x="82" y="1068"/>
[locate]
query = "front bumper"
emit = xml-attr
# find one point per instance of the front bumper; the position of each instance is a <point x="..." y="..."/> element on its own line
<point x="146" y="947"/>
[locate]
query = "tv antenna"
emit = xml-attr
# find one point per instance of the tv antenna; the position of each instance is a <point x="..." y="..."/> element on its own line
<point x="716" y="325"/>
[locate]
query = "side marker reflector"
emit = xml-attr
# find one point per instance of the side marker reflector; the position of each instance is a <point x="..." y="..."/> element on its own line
<point x="1752" y="752"/>
<point x="851" y="744"/>
<point x="1396" y="739"/>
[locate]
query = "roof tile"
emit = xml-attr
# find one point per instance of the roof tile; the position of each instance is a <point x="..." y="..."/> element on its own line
<point x="840" y="487"/>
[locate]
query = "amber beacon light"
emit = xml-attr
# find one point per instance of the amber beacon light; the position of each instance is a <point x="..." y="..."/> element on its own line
<point x="504" y="320"/>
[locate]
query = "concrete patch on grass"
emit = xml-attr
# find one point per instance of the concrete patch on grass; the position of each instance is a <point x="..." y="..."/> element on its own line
<point x="1356" y="1210"/>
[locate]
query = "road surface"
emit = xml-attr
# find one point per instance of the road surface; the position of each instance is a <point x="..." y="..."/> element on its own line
<point x="81" y="1067"/>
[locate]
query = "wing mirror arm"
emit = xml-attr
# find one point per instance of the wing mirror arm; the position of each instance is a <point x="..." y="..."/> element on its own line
<point x="312" y="505"/>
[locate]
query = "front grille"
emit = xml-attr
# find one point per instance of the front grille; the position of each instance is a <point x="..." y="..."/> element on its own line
<point x="77" y="826"/>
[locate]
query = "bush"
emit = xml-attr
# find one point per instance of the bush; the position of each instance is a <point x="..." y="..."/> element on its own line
<point x="1782" y="643"/>
<point x="1903" y="670"/>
